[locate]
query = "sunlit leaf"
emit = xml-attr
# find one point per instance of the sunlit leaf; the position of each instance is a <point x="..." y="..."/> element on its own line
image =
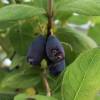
<point x="94" y="32"/>
<point x="37" y="97"/>
<point x="82" y="78"/>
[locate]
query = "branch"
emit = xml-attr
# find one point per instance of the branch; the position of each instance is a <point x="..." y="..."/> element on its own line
<point x="50" y="17"/>
<point x="48" y="90"/>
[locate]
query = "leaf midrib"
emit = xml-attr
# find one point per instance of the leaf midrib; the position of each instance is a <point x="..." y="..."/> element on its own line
<point x="76" y="94"/>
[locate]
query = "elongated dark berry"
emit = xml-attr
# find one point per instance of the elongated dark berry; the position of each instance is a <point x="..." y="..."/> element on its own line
<point x="57" y="68"/>
<point x="54" y="49"/>
<point x="36" y="50"/>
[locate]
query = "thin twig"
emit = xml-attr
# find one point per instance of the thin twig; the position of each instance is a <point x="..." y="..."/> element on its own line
<point x="46" y="83"/>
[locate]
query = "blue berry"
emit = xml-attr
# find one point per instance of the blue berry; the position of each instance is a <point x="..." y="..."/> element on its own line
<point x="57" y="68"/>
<point x="54" y="49"/>
<point x="36" y="51"/>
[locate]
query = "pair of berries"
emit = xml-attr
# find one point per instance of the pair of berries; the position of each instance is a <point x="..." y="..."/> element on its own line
<point x="49" y="48"/>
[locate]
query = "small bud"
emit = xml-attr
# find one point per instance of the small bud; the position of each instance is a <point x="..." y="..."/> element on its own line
<point x="44" y="64"/>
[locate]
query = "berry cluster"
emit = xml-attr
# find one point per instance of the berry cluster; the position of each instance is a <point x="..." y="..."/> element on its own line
<point x="49" y="48"/>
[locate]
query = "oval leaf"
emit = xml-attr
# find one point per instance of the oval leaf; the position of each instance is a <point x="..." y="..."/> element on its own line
<point x="77" y="41"/>
<point x="86" y="7"/>
<point x="82" y="78"/>
<point x="17" y="12"/>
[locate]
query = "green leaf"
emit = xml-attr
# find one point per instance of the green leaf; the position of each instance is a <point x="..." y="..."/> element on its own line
<point x="1" y="4"/>
<point x="80" y="19"/>
<point x="21" y="97"/>
<point x="6" y="24"/>
<point x="78" y="42"/>
<point x="85" y="7"/>
<point x="6" y="45"/>
<point x="26" y="77"/>
<point x="40" y="3"/>
<point x="70" y="54"/>
<point x="17" y="61"/>
<point x="20" y="79"/>
<point x="37" y="97"/>
<point x="94" y="32"/>
<point x="41" y="97"/>
<point x="81" y="80"/>
<point x="7" y="96"/>
<point x="95" y="19"/>
<point x="17" y="12"/>
<point x="97" y="96"/>
<point x="63" y="16"/>
<point x="21" y="37"/>
<point x="56" y="91"/>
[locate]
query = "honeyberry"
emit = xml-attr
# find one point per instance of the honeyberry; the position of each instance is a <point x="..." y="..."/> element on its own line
<point x="56" y="68"/>
<point x="36" y="51"/>
<point x="54" y="49"/>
